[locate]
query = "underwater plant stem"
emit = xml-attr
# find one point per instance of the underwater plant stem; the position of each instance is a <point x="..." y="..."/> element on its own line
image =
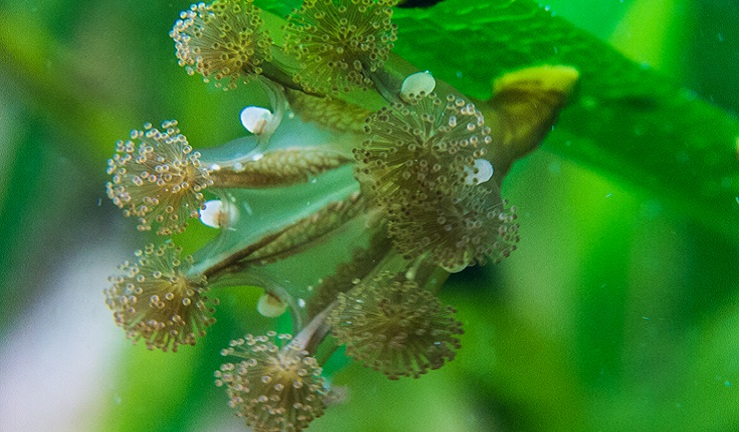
<point x="231" y="178"/>
<point x="310" y="230"/>
<point x="326" y="352"/>
<point x="289" y="240"/>
<point x="314" y="332"/>
<point x="278" y="69"/>
<point x="434" y="279"/>
<point x="427" y="274"/>
<point x="387" y="84"/>
<point x="392" y="261"/>
<point x="229" y="264"/>
<point x="283" y="167"/>
<point x="255" y="277"/>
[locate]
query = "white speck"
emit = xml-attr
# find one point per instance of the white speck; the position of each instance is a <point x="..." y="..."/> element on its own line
<point x="271" y="306"/>
<point x="215" y="167"/>
<point x="301" y="302"/>
<point x="255" y="119"/>
<point x="100" y="202"/>
<point x="211" y="214"/>
<point x="480" y="173"/>
<point x="218" y="214"/>
<point x="416" y="84"/>
<point x="609" y="195"/>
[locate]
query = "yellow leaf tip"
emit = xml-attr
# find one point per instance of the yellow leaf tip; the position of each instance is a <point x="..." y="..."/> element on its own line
<point x="557" y="78"/>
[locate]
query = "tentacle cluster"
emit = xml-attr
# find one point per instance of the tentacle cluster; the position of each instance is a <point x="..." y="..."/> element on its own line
<point x="340" y="42"/>
<point x="276" y="387"/>
<point x="428" y="197"/>
<point x="156" y="177"/>
<point x="391" y="324"/>
<point x="224" y="40"/>
<point x="153" y="300"/>
<point x="422" y="162"/>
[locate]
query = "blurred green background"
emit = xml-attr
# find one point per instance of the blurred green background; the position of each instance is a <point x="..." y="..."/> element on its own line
<point x="619" y="311"/>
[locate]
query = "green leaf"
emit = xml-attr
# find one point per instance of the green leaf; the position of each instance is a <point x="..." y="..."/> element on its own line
<point x="626" y="120"/>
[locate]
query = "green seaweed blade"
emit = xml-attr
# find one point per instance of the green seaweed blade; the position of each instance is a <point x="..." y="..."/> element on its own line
<point x="625" y="120"/>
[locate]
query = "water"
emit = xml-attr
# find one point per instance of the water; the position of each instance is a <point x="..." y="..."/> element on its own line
<point x="617" y="310"/>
